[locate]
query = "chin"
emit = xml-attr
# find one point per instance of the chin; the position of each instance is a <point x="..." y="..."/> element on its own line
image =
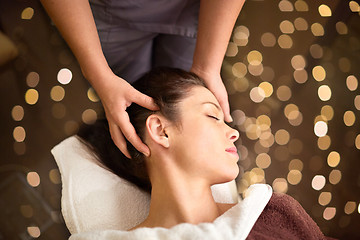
<point x="229" y="174"/>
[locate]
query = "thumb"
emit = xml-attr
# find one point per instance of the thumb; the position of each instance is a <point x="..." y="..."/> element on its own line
<point x="224" y="104"/>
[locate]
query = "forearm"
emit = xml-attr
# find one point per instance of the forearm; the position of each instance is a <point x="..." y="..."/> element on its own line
<point x="76" y="24"/>
<point x="216" y="22"/>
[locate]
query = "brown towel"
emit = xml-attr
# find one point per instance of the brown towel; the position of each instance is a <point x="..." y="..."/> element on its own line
<point x="284" y="218"/>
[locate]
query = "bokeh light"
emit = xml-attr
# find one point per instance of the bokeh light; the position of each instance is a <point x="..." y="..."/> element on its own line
<point x="33" y="179"/>
<point x="318" y="182"/>
<point x="64" y="76"/>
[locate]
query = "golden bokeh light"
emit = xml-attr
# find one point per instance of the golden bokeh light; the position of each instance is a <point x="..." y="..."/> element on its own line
<point x="89" y="116"/>
<point x="92" y="96"/>
<point x="268" y="39"/>
<point x="241" y="35"/>
<point x="294" y="177"/>
<point x="17" y="113"/>
<point x="320" y="128"/>
<point x="286" y="27"/>
<point x="238" y="116"/>
<point x="324" y="198"/>
<point x="318" y="182"/>
<point x="241" y="84"/>
<point x="255" y="70"/>
<point x="232" y="50"/>
<point x="296" y="164"/>
<point x="239" y="69"/>
<point x="19" y="134"/>
<point x="349" y="118"/>
<point x="267" y="139"/>
<point x="257" y="95"/>
<point x="324" y="142"/>
<point x="267" y="88"/>
<point x="298" y="62"/>
<point x="354" y="6"/>
<point x="286" y="6"/>
<point x="324" y="10"/>
<point x="33" y="179"/>
<point x="31" y="96"/>
<point x="254" y="57"/>
<point x="57" y="93"/>
<point x="329" y="213"/>
<point x="301" y="24"/>
<point x="333" y="159"/>
<point x="27" y="13"/>
<point x="280" y="185"/>
<point x="357" y="102"/>
<point x="350" y="207"/>
<point x="317" y="30"/>
<point x="264" y="122"/>
<point x="296" y="121"/>
<point x="316" y="51"/>
<point x="335" y="176"/>
<point x="341" y="28"/>
<point x="301" y="6"/>
<point x="64" y="76"/>
<point x="319" y="73"/>
<point x="285" y="41"/>
<point x="344" y="64"/>
<point x="34" y="231"/>
<point x="282" y="137"/>
<point x="283" y="93"/>
<point x="320" y="118"/>
<point x="54" y="176"/>
<point x="32" y="79"/>
<point x="351" y="83"/>
<point x="300" y="76"/>
<point x="263" y="160"/>
<point x="327" y="111"/>
<point x="291" y="110"/>
<point x="357" y="142"/>
<point x="324" y="93"/>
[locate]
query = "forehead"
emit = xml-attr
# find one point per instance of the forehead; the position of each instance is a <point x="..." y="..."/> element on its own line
<point x="197" y="96"/>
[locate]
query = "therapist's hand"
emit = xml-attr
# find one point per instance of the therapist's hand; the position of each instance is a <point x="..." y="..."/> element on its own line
<point x="116" y="97"/>
<point x="215" y="84"/>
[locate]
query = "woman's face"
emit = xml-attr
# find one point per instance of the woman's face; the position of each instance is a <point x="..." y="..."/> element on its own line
<point x="204" y="143"/>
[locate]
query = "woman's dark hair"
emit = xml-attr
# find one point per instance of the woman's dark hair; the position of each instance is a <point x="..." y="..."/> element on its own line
<point x="167" y="86"/>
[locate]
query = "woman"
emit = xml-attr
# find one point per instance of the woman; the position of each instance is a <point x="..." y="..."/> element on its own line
<point x="192" y="148"/>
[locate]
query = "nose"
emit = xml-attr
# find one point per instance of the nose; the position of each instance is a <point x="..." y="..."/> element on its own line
<point x="233" y="134"/>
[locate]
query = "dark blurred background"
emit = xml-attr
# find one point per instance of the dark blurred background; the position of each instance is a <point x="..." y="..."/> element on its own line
<point x="292" y="74"/>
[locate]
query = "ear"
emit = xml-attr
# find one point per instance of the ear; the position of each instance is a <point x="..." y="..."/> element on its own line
<point x="155" y="125"/>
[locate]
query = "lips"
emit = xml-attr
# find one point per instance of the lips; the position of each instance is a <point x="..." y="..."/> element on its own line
<point x="231" y="150"/>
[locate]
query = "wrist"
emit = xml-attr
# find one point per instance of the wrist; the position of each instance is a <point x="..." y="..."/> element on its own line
<point x="205" y="73"/>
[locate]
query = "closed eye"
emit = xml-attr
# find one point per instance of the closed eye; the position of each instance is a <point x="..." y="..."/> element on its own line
<point x="214" y="117"/>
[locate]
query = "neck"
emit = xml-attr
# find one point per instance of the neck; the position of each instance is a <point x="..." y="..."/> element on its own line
<point x="175" y="199"/>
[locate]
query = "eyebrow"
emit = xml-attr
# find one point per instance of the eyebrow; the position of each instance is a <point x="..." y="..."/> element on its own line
<point x="217" y="106"/>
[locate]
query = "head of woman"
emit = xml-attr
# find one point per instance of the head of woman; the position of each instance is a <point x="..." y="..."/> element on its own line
<point x="187" y="133"/>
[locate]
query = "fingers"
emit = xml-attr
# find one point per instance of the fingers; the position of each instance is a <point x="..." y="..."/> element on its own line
<point x="143" y="100"/>
<point x="118" y="138"/>
<point x="224" y="104"/>
<point x="129" y="132"/>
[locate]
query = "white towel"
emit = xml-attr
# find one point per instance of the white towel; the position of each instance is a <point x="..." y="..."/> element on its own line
<point x="236" y="223"/>
<point x="93" y="198"/>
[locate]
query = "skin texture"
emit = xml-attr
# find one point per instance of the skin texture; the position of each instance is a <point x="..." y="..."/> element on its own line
<point x="216" y="20"/>
<point x="186" y="159"/>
